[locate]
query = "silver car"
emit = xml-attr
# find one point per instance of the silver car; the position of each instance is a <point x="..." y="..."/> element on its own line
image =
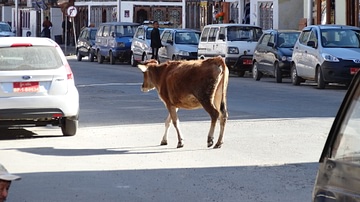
<point x="326" y="54"/>
<point x="179" y="44"/>
<point x="5" y="30"/>
<point x="37" y="85"/>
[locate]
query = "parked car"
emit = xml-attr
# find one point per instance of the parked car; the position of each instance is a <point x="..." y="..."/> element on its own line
<point x="113" y="41"/>
<point x="37" y="85"/>
<point x="339" y="166"/>
<point x="234" y="42"/>
<point x="85" y="43"/>
<point x="140" y="46"/>
<point x="326" y="54"/>
<point x="179" y="44"/>
<point x="272" y="55"/>
<point x="5" y="30"/>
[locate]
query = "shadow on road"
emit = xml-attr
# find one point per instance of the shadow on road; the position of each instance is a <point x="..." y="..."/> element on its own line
<point x="20" y="133"/>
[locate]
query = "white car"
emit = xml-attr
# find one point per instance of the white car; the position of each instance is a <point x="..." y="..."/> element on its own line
<point x="37" y="85"/>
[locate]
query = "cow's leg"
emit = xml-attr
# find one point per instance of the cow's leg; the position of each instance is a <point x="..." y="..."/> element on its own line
<point x="214" y="115"/>
<point x="167" y="125"/>
<point x="223" y="119"/>
<point x="176" y="123"/>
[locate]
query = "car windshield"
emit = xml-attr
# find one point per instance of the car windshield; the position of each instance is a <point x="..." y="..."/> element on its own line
<point x="93" y="34"/>
<point x="347" y="144"/>
<point x="187" y="38"/>
<point x="340" y="38"/>
<point x="148" y="32"/>
<point x="125" y="30"/>
<point x="243" y="33"/>
<point x="29" y="58"/>
<point x="5" y="28"/>
<point x="287" y="39"/>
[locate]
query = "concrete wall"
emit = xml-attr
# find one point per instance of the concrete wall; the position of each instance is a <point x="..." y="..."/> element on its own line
<point x="290" y="13"/>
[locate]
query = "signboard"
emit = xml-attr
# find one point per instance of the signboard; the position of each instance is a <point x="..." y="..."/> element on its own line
<point x="71" y="11"/>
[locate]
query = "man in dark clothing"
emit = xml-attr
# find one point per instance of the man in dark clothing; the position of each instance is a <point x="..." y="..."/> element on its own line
<point x="47" y="26"/>
<point x="155" y="43"/>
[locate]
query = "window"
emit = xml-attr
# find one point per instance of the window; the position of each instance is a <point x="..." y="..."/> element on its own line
<point x="265" y="39"/>
<point x="106" y="31"/>
<point x="205" y="34"/>
<point x="139" y="32"/>
<point x="166" y="36"/>
<point x="304" y="37"/>
<point x="100" y="31"/>
<point x="212" y="34"/>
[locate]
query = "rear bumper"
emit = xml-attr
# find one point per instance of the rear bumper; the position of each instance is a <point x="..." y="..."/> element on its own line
<point x="237" y="64"/>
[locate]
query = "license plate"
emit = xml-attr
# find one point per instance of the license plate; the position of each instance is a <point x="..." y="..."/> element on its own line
<point x="353" y="70"/>
<point x="247" y="62"/>
<point x="19" y="87"/>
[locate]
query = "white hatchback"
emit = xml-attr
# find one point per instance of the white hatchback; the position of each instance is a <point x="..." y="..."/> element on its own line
<point x="37" y="85"/>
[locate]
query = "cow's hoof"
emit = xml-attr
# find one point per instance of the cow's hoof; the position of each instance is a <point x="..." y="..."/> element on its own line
<point x="210" y="143"/>
<point x="163" y="142"/>
<point x="180" y="145"/>
<point x="217" y="146"/>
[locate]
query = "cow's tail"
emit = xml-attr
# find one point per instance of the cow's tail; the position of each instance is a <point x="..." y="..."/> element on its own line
<point x="225" y="80"/>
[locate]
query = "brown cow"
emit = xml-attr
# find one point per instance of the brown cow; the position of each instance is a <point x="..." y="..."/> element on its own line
<point x="190" y="84"/>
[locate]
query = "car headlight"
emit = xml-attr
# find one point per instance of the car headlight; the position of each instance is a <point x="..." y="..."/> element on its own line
<point x="184" y="53"/>
<point x="329" y="58"/>
<point x="284" y="58"/>
<point x="121" y="44"/>
<point x="233" y="50"/>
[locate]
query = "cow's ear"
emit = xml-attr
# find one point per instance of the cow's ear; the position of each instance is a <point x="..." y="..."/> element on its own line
<point x="143" y="68"/>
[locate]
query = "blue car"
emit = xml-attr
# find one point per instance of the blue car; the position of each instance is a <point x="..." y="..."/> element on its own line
<point x="113" y="41"/>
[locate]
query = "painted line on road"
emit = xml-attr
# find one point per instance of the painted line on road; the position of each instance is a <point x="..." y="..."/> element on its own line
<point x="108" y="84"/>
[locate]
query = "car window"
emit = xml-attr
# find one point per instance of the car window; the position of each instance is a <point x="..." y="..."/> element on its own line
<point x="106" y="31"/>
<point x="340" y="38"/>
<point x="212" y="34"/>
<point x="313" y="36"/>
<point x="191" y="38"/>
<point x="347" y="144"/>
<point x="288" y="39"/>
<point x="304" y="37"/>
<point x="205" y="34"/>
<point x="265" y="39"/>
<point x="5" y="27"/>
<point x="243" y="33"/>
<point x="29" y="58"/>
<point x="166" y="36"/>
<point x="148" y="32"/>
<point x="83" y="34"/>
<point x="125" y="30"/>
<point x="100" y="31"/>
<point x="139" y="32"/>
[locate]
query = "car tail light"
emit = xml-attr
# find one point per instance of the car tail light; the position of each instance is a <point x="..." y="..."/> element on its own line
<point x="57" y="115"/>
<point x="69" y="73"/>
<point x="353" y="70"/>
<point x="21" y="45"/>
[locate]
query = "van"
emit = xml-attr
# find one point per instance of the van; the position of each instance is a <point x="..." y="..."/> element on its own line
<point x="234" y="42"/>
<point x="113" y="41"/>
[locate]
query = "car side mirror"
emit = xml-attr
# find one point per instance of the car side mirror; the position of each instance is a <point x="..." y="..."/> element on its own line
<point x="311" y="44"/>
<point x="113" y="34"/>
<point x="170" y="41"/>
<point x="222" y="37"/>
<point x="141" y="37"/>
<point x="271" y="44"/>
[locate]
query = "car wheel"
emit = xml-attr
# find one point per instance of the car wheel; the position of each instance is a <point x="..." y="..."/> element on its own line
<point x="78" y="56"/>
<point x="255" y="72"/>
<point x="295" y="80"/>
<point x="320" y="79"/>
<point x="241" y="73"/>
<point x="144" y="58"/>
<point x="277" y="73"/>
<point x="112" y="58"/>
<point x="69" y="127"/>
<point x="133" y="62"/>
<point x="91" y="56"/>
<point x="100" y="58"/>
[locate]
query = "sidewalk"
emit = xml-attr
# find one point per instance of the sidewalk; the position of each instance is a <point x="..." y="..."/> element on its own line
<point x="68" y="49"/>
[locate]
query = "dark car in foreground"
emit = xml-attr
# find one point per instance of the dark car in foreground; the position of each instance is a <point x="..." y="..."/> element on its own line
<point x="85" y="43"/>
<point x="338" y="177"/>
<point x="272" y="55"/>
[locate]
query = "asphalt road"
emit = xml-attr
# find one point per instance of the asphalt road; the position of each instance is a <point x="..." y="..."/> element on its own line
<point x="273" y="140"/>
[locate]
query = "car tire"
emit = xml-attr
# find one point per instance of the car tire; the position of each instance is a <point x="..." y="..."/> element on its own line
<point x="277" y="73"/>
<point x="295" y="80"/>
<point x="320" y="79"/>
<point x="78" y="56"/>
<point x="100" y="57"/>
<point x="69" y="126"/>
<point x="255" y="72"/>
<point x="144" y="58"/>
<point x="133" y="62"/>
<point x="111" y="58"/>
<point x="91" y="56"/>
<point x="241" y="73"/>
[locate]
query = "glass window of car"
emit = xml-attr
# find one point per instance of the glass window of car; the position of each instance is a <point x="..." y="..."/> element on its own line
<point x="106" y="31"/>
<point x="92" y="34"/>
<point x="125" y="30"/>
<point x="289" y="39"/>
<point x="212" y="34"/>
<point x="340" y="38"/>
<point x="304" y="36"/>
<point x="149" y="29"/>
<point x="313" y="36"/>
<point x="100" y="31"/>
<point x="265" y="39"/>
<point x="187" y="38"/>
<point x="243" y="33"/>
<point x="4" y="27"/>
<point x="29" y="58"/>
<point x="205" y="34"/>
<point x="140" y="32"/>
<point x="83" y="34"/>
<point x="166" y="36"/>
<point x="347" y="144"/>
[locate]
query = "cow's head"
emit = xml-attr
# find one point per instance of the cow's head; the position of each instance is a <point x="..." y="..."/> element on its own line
<point x="147" y="84"/>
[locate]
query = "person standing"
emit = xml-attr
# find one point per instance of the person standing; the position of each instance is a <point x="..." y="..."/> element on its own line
<point x="5" y="181"/>
<point x="155" y="43"/>
<point x="47" y="26"/>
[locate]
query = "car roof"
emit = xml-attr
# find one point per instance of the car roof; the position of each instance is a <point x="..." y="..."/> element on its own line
<point x="183" y="30"/>
<point x="232" y="25"/>
<point x="26" y="41"/>
<point x="119" y="23"/>
<point x="281" y="31"/>
<point x="330" y="26"/>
